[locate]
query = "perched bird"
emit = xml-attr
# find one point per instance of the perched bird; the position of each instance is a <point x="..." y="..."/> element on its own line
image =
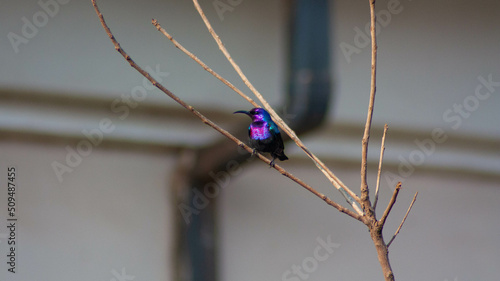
<point x="264" y="134"/>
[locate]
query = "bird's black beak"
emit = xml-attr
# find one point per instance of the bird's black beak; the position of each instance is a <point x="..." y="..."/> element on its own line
<point x="243" y="111"/>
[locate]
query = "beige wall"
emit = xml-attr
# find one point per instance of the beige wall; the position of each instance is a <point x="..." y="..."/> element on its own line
<point x="109" y="213"/>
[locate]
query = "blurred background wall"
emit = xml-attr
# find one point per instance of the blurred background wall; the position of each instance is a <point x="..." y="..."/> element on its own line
<point x="97" y="150"/>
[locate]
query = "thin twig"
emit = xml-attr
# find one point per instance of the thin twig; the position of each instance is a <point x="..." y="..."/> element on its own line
<point x="212" y="124"/>
<point x="365" y="195"/>
<point x="382" y="149"/>
<point x="352" y="198"/>
<point x="391" y="204"/>
<point x="206" y="67"/>
<point x="404" y="219"/>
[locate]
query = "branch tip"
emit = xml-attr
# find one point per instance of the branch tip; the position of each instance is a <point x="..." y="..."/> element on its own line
<point x="382" y="149"/>
<point x="404" y="219"/>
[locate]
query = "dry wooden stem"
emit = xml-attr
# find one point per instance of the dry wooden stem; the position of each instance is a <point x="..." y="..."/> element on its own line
<point x="365" y="195"/>
<point x="391" y="204"/>
<point x="382" y="149"/>
<point x="352" y="198"/>
<point x="374" y="226"/>
<point x="404" y="219"/>
<point x="212" y="124"/>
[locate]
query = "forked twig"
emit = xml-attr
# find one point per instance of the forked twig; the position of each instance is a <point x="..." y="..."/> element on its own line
<point x="382" y="149"/>
<point x="212" y="124"/>
<point x="404" y="219"/>
<point x="350" y="197"/>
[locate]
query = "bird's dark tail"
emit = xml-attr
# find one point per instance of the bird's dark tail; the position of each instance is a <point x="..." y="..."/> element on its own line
<point x="282" y="157"/>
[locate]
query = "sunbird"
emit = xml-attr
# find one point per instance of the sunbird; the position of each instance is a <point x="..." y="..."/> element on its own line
<point x="264" y="134"/>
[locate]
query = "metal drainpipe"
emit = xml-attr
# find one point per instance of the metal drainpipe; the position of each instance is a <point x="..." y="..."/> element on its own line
<point x="309" y="79"/>
<point x="309" y="90"/>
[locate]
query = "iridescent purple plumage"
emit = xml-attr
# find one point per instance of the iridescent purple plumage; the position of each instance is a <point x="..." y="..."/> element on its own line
<point x="264" y="134"/>
<point x="259" y="132"/>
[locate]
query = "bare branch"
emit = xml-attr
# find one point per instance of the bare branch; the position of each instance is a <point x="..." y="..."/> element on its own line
<point x="391" y="204"/>
<point x="367" y="215"/>
<point x="404" y="219"/>
<point x="382" y="148"/>
<point x="365" y="195"/>
<point x="212" y="124"/>
<point x="352" y="198"/>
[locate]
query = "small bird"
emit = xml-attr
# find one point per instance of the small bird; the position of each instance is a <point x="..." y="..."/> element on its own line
<point x="264" y="134"/>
